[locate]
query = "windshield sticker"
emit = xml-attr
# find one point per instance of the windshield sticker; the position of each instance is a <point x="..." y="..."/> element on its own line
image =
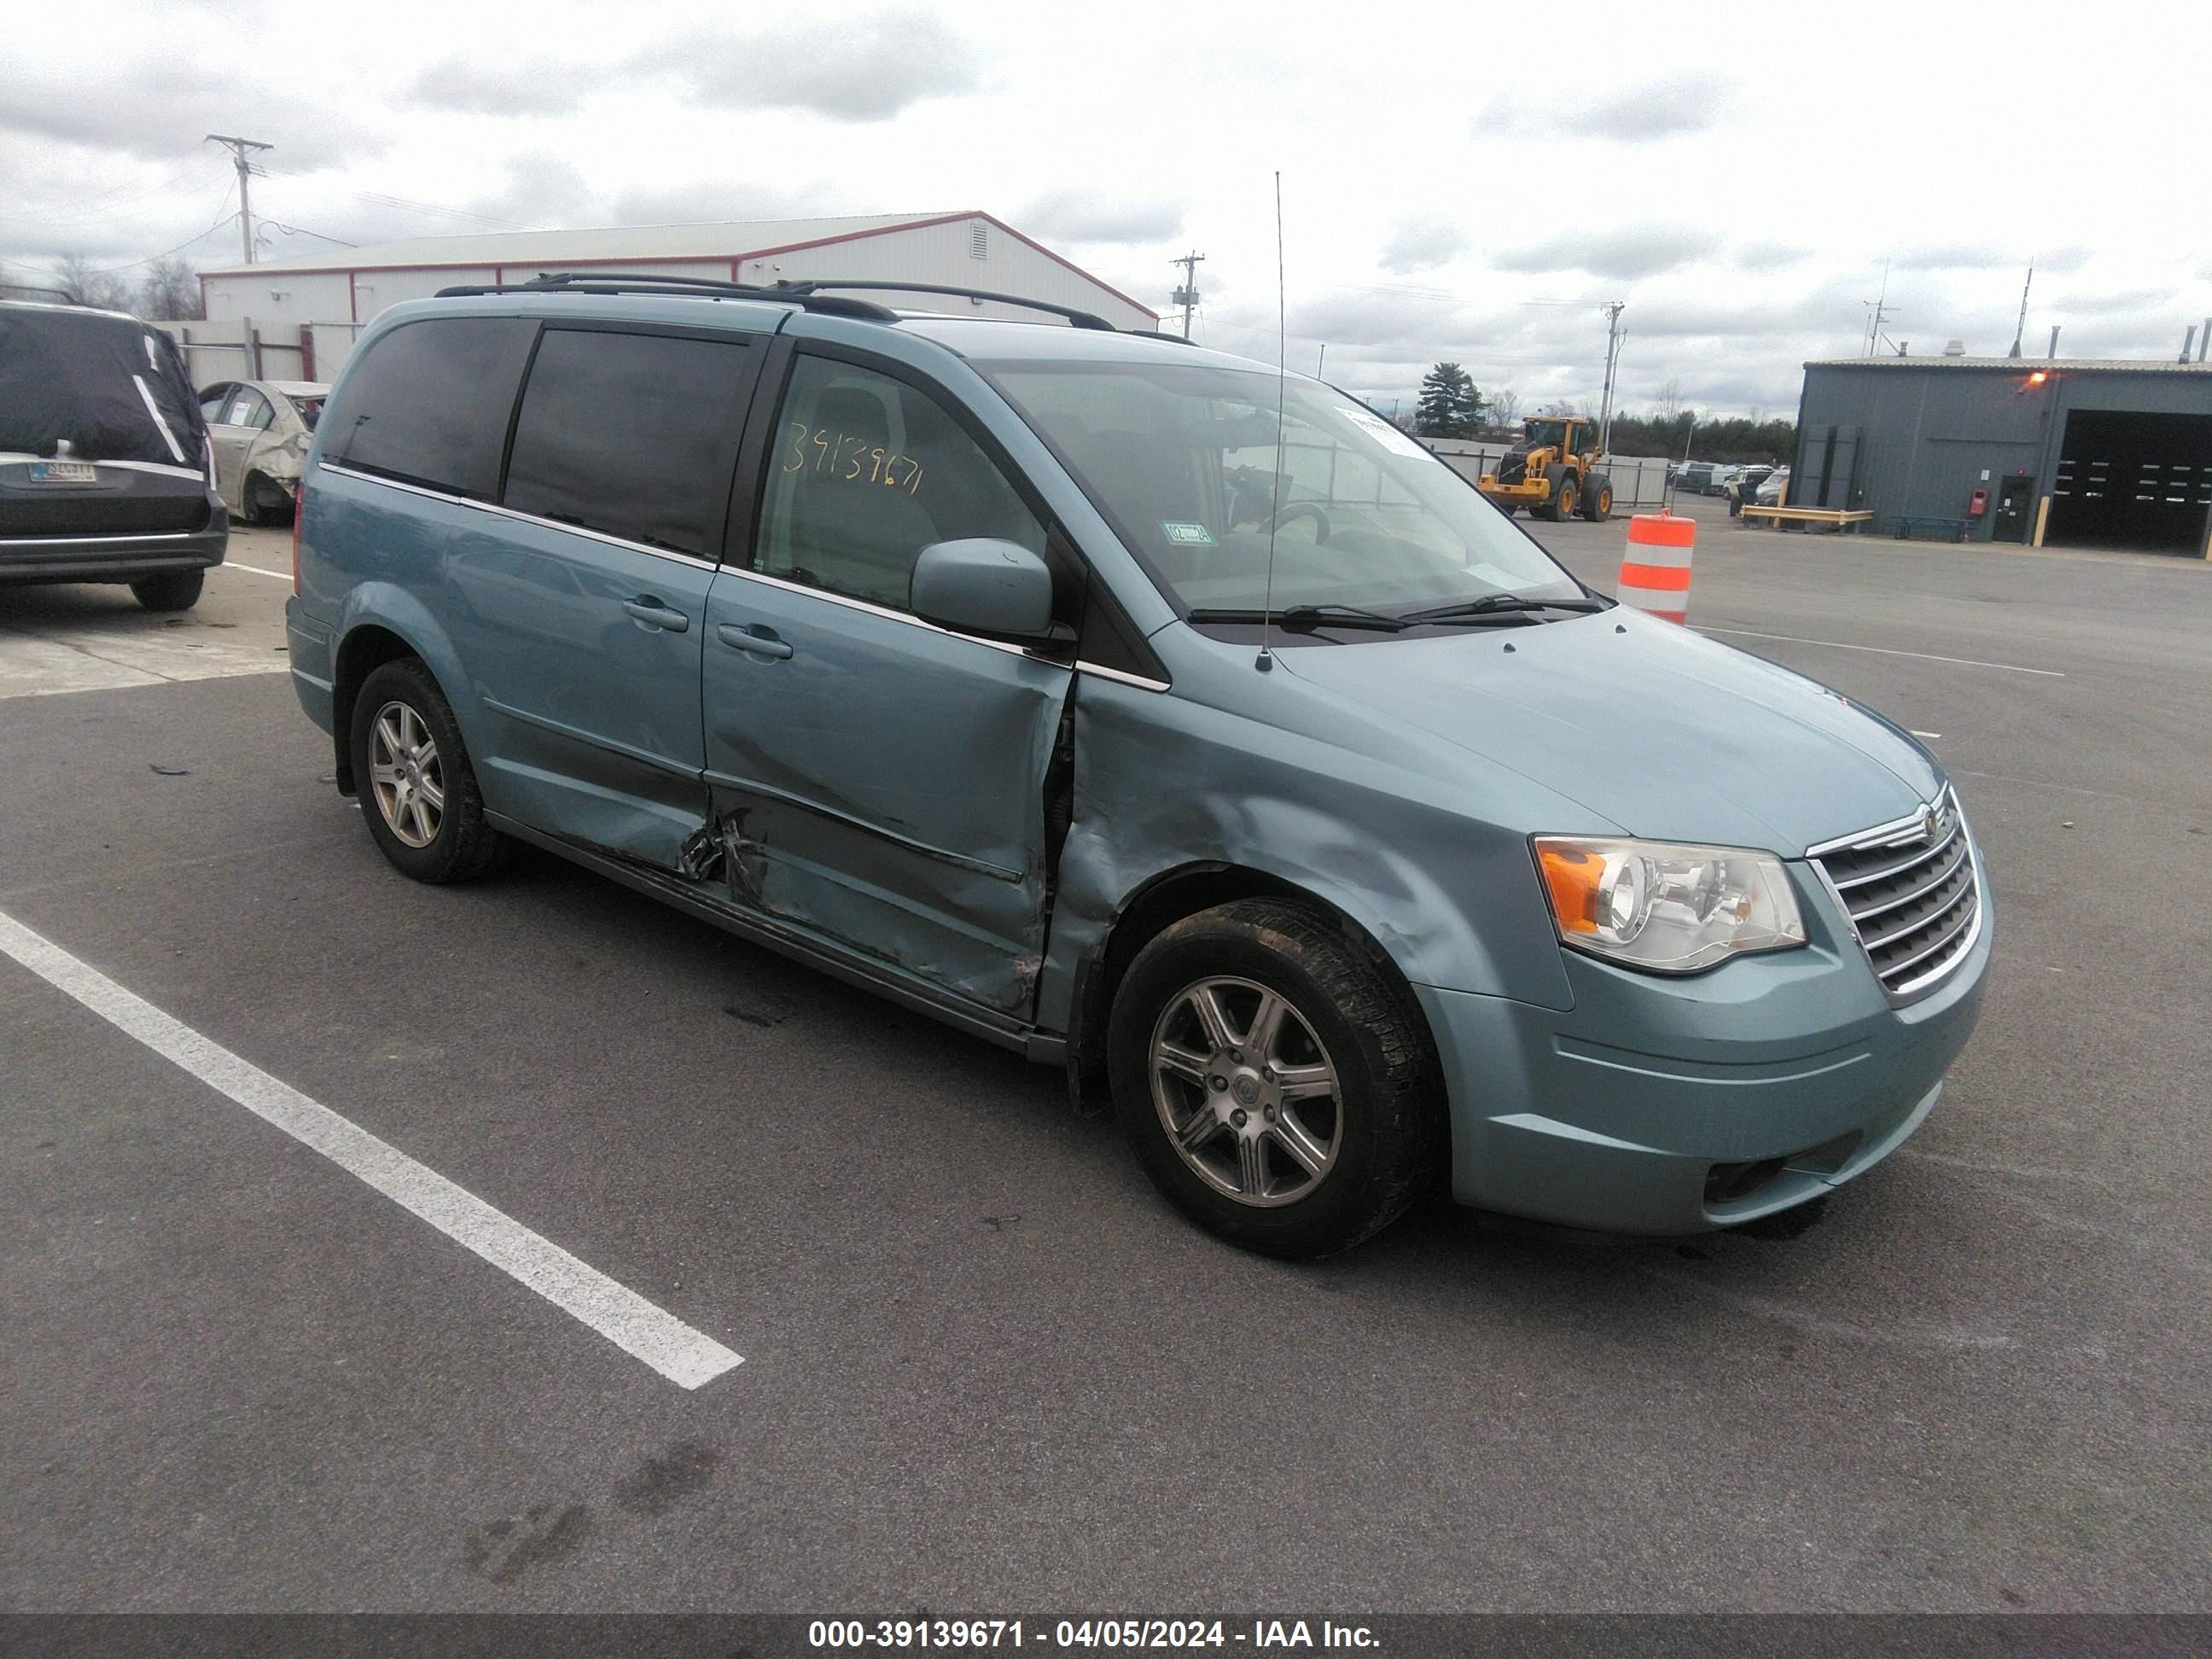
<point x="1186" y="535"/>
<point x="1387" y="435"/>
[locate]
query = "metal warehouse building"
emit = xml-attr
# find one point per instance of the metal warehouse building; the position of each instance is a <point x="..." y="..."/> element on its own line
<point x="2047" y="452"/>
<point x="308" y="310"/>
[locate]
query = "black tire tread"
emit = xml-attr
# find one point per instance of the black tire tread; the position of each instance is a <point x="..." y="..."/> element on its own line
<point x="466" y="846"/>
<point x="173" y="590"/>
<point x="1412" y="1130"/>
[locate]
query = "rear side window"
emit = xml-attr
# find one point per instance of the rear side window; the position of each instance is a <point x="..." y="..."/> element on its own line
<point x="632" y="435"/>
<point x="429" y="402"/>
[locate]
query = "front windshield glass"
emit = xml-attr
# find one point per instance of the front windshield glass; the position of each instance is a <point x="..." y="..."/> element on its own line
<point x="1545" y="433"/>
<point x="1182" y="459"/>
<point x="311" y="410"/>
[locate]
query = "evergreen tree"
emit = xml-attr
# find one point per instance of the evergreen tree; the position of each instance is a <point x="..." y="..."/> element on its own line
<point x="1449" y="407"/>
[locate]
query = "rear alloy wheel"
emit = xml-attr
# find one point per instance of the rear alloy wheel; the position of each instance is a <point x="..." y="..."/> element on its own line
<point x="418" y="792"/>
<point x="1274" y="1079"/>
<point x="1597" y="507"/>
<point x="173" y="590"/>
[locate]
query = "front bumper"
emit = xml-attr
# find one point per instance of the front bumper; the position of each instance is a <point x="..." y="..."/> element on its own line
<point x="1665" y="1106"/>
<point x="1533" y="493"/>
<point x="112" y="558"/>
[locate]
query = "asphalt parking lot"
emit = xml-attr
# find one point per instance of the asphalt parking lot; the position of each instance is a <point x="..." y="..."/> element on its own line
<point x="985" y="1368"/>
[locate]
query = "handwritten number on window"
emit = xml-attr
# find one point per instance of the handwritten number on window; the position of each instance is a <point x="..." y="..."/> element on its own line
<point x="848" y="459"/>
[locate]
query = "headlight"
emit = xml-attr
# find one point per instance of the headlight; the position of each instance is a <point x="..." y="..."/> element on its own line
<point x="1668" y="909"/>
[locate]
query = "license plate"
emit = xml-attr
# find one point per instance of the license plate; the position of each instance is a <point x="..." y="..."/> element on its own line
<point x="63" y="472"/>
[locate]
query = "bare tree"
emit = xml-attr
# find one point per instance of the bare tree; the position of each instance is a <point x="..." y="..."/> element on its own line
<point x="83" y="286"/>
<point x="170" y="292"/>
<point x="1670" y="401"/>
<point x="1504" y="406"/>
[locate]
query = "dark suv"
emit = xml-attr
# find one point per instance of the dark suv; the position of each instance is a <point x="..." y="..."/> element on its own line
<point x="104" y="458"/>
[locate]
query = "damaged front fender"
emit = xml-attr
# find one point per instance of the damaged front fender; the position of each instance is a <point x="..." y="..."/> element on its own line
<point x="1320" y="800"/>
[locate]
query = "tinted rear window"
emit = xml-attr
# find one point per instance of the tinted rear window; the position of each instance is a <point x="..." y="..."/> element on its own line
<point x="429" y="402"/>
<point x="633" y="435"/>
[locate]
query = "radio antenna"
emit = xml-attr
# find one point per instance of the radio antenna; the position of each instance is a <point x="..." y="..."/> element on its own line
<point x="1265" y="661"/>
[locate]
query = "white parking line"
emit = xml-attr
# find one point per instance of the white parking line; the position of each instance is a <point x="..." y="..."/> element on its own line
<point x="684" y="1356"/>
<point x="1924" y="656"/>
<point x="274" y="575"/>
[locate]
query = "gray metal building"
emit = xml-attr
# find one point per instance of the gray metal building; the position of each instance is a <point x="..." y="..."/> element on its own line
<point x="2047" y="452"/>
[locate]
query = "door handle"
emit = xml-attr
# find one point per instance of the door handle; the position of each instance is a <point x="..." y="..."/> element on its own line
<point x="760" y="645"/>
<point x="653" y="614"/>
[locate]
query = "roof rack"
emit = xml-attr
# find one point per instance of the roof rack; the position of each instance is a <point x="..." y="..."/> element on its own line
<point x="1077" y="318"/>
<point x="809" y="295"/>
<point x="573" y="281"/>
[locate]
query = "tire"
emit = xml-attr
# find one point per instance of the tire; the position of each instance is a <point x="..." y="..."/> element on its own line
<point x="173" y="590"/>
<point x="1561" y="504"/>
<point x="438" y="838"/>
<point x="1368" y="1115"/>
<point x="264" y="501"/>
<point x="1597" y="502"/>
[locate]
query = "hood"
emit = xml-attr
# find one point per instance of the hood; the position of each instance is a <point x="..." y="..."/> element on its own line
<point x="1655" y="729"/>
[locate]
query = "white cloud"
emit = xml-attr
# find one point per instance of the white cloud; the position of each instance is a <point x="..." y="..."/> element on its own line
<point x="1743" y="214"/>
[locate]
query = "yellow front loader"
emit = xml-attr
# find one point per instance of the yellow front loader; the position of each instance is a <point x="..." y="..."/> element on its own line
<point x="1553" y="471"/>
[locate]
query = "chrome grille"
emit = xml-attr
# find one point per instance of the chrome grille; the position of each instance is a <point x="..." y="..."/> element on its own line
<point x="1912" y="892"/>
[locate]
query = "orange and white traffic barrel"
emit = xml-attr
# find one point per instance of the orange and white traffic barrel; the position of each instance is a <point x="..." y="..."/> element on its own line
<point x="1655" y="572"/>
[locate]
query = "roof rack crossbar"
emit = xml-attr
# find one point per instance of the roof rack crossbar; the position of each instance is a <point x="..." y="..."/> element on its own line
<point x="1077" y="318"/>
<point x="578" y="282"/>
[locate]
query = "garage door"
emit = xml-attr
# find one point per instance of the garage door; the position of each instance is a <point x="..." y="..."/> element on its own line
<point x="2131" y="480"/>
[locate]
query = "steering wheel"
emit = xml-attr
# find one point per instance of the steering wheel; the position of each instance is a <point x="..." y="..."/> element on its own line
<point x="1303" y="510"/>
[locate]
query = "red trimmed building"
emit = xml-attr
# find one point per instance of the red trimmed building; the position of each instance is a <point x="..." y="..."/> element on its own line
<point x="332" y="293"/>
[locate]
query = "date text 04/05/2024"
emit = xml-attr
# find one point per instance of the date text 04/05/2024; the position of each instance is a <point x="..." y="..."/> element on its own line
<point x="1261" y="1636"/>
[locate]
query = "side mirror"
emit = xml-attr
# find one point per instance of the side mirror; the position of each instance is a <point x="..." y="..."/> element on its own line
<point x="982" y="585"/>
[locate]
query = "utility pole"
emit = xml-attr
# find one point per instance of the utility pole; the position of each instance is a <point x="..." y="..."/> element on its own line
<point x="1186" y="296"/>
<point x="1321" y="368"/>
<point x="1611" y="356"/>
<point x="238" y="147"/>
<point x="2022" y="327"/>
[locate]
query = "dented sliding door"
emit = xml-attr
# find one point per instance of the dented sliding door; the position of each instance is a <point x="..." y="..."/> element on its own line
<point x="879" y="784"/>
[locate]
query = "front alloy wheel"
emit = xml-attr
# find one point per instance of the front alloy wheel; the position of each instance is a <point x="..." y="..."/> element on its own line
<point x="1274" y="1077"/>
<point x="404" y="774"/>
<point x="1246" y="1091"/>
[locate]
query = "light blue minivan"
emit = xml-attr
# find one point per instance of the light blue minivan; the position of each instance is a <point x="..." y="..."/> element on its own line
<point x="1135" y="708"/>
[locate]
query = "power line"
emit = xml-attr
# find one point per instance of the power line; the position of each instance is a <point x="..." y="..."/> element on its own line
<point x="269" y="223"/>
<point x="88" y="214"/>
<point x="222" y="217"/>
<point x="409" y="204"/>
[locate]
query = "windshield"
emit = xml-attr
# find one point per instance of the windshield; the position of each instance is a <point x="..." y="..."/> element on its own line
<point x="311" y="410"/>
<point x="1544" y="433"/>
<point x="1182" y="459"/>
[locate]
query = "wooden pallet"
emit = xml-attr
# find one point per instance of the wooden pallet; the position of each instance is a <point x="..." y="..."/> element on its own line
<point x="1837" y="518"/>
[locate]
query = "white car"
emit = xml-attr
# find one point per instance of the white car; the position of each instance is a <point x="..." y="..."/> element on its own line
<point x="260" y="430"/>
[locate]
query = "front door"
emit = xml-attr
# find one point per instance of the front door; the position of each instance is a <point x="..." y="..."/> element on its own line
<point x="878" y="782"/>
<point x="580" y="609"/>
<point x="2012" y="498"/>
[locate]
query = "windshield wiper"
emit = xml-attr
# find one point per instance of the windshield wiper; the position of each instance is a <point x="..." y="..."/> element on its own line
<point x="1501" y="605"/>
<point x="1304" y="618"/>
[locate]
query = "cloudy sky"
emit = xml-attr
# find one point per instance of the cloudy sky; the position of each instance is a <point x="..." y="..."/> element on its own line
<point x="1463" y="181"/>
